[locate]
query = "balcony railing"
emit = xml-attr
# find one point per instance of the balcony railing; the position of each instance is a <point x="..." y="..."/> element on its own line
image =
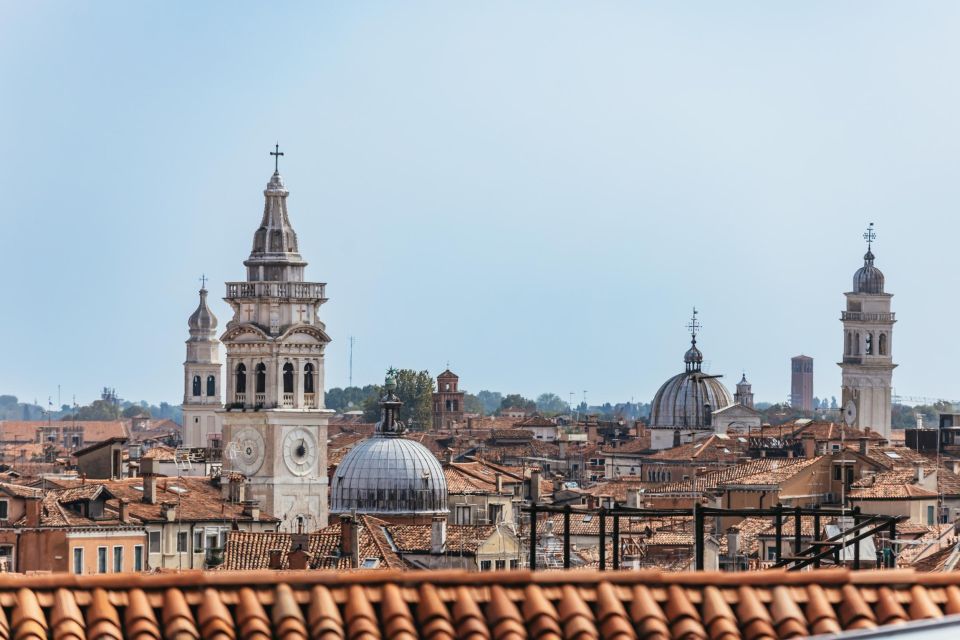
<point x="860" y="316"/>
<point x="259" y="399"/>
<point x="240" y="398"/>
<point x="294" y="290"/>
<point x="288" y="399"/>
<point x="310" y="400"/>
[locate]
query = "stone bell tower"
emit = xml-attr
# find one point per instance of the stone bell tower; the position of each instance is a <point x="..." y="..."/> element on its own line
<point x="867" y="364"/>
<point x="201" y="379"/>
<point x="275" y="423"/>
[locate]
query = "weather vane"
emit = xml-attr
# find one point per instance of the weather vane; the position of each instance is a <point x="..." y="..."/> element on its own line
<point x="870" y="235"/>
<point x="276" y="153"/>
<point x="694" y="325"/>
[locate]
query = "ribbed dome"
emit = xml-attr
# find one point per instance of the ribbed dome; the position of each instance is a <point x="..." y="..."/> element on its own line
<point x="682" y="400"/>
<point x="868" y="279"/>
<point x="202" y="323"/>
<point x="388" y="475"/>
<point x="693" y="356"/>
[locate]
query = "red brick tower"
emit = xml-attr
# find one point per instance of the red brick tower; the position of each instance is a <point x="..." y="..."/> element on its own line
<point x="447" y="401"/>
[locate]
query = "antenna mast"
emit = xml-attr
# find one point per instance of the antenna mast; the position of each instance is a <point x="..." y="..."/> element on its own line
<point x="352" y="340"/>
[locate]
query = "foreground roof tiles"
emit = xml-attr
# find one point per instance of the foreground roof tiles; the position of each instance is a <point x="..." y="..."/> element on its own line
<point x="443" y="605"/>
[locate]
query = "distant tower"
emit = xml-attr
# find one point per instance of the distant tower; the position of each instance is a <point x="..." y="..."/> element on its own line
<point x="275" y="424"/>
<point x="447" y="401"/>
<point x="744" y="394"/>
<point x="868" y="346"/>
<point x="801" y="383"/>
<point x="201" y="379"/>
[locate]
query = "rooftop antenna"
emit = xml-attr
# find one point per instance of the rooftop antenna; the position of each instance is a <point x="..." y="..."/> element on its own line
<point x="352" y="341"/>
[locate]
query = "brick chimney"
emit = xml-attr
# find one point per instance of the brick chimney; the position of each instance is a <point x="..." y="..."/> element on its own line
<point x="148" y="471"/>
<point x="251" y="509"/>
<point x="350" y="539"/>
<point x="124" y="516"/>
<point x="809" y="445"/>
<point x="438" y="535"/>
<point x="864" y="445"/>
<point x="32" y="505"/>
<point x="535" y="486"/>
<point x="276" y="559"/>
<point x="298" y="560"/>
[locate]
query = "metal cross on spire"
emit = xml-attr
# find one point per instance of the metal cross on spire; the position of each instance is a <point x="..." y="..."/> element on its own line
<point x="203" y="281"/>
<point x="694" y="325"/>
<point x="276" y="153"/>
<point x="870" y="235"/>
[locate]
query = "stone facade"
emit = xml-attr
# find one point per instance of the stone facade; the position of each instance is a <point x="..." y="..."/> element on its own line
<point x="867" y="363"/>
<point x="801" y="383"/>
<point x="202" y="374"/>
<point x="275" y="424"/>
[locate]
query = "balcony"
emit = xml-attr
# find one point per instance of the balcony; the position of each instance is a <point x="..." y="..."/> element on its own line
<point x="306" y="291"/>
<point x="310" y="400"/>
<point x="240" y="398"/>
<point x="288" y="399"/>
<point x="259" y="399"/>
<point x="860" y="316"/>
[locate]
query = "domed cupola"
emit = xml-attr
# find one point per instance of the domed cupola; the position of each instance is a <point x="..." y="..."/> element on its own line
<point x="203" y="324"/>
<point x="389" y="475"/>
<point x="688" y="399"/>
<point x="868" y="278"/>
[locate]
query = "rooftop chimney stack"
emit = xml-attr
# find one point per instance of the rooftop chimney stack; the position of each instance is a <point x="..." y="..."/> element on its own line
<point x="438" y="535"/>
<point x="32" y="506"/>
<point x="148" y="471"/>
<point x="350" y="539"/>
<point x="276" y="559"/>
<point x="809" y="446"/>
<point x="535" y="486"/>
<point x="124" y="511"/>
<point x="864" y="445"/>
<point x="733" y="542"/>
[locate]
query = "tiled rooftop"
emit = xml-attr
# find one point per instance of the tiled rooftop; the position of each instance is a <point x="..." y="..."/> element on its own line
<point x="442" y="605"/>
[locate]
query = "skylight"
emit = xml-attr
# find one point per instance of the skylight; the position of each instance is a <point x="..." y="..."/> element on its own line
<point x="892" y="454"/>
<point x="176" y="489"/>
<point x="370" y="563"/>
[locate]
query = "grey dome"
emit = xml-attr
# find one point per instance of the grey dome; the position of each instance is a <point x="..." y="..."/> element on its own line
<point x="682" y="400"/>
<point x="389" y="475"/>
<point x="202" y="322"/>
<point x="868" y="279"/>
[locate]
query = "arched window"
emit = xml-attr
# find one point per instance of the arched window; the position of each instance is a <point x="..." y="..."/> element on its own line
<point x="196" y="385"/>
<point x="241" y="385"/>
<point x="869" y="350"/>
<point x="856" y="344"/>
<point x="708" y="414"/>
<point x="308" y="378"/>
<point x="261" y="378"/>
<point x="288" y="378"/>
<point x="883" y="344"/>
<point x="211" y="386"/>
<point x="849" y="349"/>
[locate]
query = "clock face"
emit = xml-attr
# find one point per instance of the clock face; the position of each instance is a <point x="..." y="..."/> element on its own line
<point x="249" y="451"/>
<point x="850" y="413"/>
<point x="299" y="451"/>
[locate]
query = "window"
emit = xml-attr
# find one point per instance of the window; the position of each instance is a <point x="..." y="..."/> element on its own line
<point x="241" y="384"/>
<point x="78" y="560"/>
<point x="308" y="378"/>
<point x="197" y="540"/>
<point x="118" y="559"/>
<point x="212" y="540"/>
<point x="869" y="350"/>
<point x="138" y="558"/>
<point x="514" y="564"/>
<point x="288" y="378"/>
<point x="4" y="509"/>
<point x="501" y="565"/>
<point x="484" y="565"/>
<point x="182" y="540"/>
<point x="101" y="559"/>
<point x="883" y="344"/>
<point x="370" y="563"/>
<point x="463" y="514"/>
<point x="771" y="553"/>
<point x="496" y="513"/>
<point x="930" y="516"/>
<point x="837" y="472"/>
<point x="261" y="378"/>
<point x="196" y="386"/>
<point x="211" y="386"/>
<point x="154" y="540"/>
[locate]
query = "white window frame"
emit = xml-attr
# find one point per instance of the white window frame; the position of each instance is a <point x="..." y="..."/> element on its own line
<point x="185" y="536"/>
<point x="159" y="536"/>
<point x="116" y="548"/>
<point x="103" y="564"/>
<point x="80" y="558"/>
<point x="198" y="533"/>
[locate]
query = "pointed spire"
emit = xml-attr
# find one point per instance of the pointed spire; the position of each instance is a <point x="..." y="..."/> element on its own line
<point x="693" y="358"/>
<point x="275" y="254"/>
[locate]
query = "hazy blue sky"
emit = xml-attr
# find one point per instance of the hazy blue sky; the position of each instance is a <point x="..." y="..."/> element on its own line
<point x="537" y="192"/>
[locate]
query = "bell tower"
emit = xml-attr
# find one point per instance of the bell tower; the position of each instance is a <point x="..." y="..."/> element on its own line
<point x="867" y="364"/>
<point x="275" y="423"/>
<point x="201" y="379"/>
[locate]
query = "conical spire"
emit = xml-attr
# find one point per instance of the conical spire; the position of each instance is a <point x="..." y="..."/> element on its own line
<point x="203" y="324"/>
<point x="275" y="255"/>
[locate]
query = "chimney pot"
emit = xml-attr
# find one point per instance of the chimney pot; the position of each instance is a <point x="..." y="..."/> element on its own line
<point x="438" y="535"/>
<point x="276" y="559"/>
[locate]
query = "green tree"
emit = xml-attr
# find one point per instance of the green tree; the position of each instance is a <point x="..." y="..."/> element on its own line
<point x="99" y="410"/>
<point x="550" y="404"/>
<point x="515" y="400"/>
<point x="415" y="390"/>
<point x="472" y="404"/>
<point x="490" y="401"/>
<point x="350" y="398"/>
<point x="135" y="410"/>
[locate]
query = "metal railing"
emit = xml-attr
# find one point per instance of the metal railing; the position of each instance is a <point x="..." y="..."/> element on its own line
<point x="864" y="526"/>
<point x="861" y="316"/>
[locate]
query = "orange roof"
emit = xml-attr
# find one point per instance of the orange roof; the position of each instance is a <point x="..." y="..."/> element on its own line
<point x="455" y="604"/>
<point x="93" y="430"/>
